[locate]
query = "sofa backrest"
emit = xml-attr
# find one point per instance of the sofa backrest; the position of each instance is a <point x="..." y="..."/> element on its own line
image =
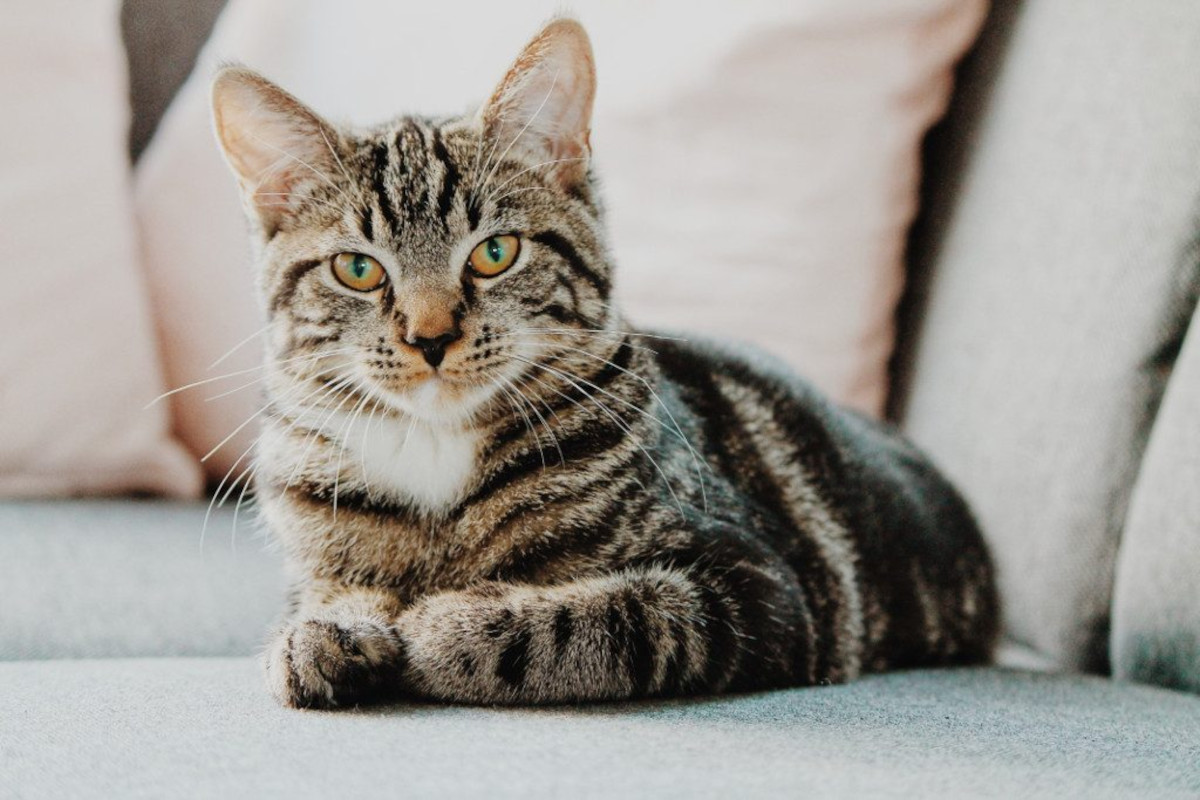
<point x="1054" y="274"/>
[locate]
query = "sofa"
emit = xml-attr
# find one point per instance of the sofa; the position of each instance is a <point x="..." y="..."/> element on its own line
<point x="1045" y="360"/>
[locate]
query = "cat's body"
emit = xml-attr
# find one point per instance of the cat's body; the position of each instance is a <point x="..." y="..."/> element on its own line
<point x="493" y="490"/>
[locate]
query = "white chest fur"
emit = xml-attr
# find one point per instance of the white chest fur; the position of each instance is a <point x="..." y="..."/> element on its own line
<point x="411" y="460"/>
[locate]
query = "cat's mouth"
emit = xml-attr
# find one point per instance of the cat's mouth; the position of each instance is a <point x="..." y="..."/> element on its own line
<point x="436" y="397"/>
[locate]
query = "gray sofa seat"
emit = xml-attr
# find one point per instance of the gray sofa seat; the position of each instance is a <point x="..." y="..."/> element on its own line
<point x="207" y="728"/>
<point x="112" y="578"/>
<point x="80" y="579"/>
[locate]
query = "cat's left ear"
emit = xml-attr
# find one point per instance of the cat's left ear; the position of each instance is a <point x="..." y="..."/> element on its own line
<point x="543" y="106"/>
<point x="272" y="141"/>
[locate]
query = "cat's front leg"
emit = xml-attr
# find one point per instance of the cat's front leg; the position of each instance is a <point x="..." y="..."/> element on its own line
<point x="633" y="633"/>
<point x="337" y="648"/>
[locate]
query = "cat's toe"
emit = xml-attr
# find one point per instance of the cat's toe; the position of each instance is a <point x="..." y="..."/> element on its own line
<point x="321" y="664"/>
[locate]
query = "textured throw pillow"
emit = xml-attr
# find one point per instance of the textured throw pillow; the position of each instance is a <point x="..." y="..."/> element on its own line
<point x="78" y="360"/>
<point x="760" y="163"/>
<point x="1156" y="605"/>
<point x="1063" y="275"/>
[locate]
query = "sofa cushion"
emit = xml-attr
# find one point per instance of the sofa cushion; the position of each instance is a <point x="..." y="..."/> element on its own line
<point x="128" y="578"/>
<point x="760" y="163"/>
<point x="206" y="727"/>
<point x="1061" y="253"/>
<point x="78" y="359"/>
<point x="1156" y="607"/>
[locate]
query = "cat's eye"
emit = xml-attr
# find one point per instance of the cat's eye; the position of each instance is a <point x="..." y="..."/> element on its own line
<point x="358" y="272"/>
<point x="494" y="255"/>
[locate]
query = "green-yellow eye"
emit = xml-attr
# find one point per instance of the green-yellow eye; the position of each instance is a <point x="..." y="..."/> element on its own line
<point x="360" y="273"/>
<point x="492" y="256"/>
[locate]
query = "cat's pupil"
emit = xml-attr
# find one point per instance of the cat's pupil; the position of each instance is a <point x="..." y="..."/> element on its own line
<point x="495" y="250"/>
<point x="360" y="266"/>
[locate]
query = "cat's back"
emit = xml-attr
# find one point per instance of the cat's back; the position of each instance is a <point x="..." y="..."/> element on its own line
<point x="856" y="490"/>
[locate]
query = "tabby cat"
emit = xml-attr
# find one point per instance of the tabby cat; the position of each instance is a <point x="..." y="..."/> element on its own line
<point x="492" y="489"/>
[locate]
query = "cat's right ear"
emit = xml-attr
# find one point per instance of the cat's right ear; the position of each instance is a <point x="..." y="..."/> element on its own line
<point x="273" y="143"/>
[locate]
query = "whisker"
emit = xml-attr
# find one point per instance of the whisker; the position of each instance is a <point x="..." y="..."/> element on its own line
<point x="239" y="428"/>
<point x="507" y="195"/>
<point x="593" y="331"/>
<point x="519" y="408"/>
<point x="533" y="407"/>
<point x="303" y="199"/>
<point x="619" y="422"/>
<point x="362" y="447"/>
<point x="520" y="133"/>
<point x="300" y="161"/>
<point x="240" y="345"/>
<point x="335" y="155"/>
<point x="337" y="472"/>
<point x="246" y="371"/>
<point x="259" y="379"/>
<point x="217" y="500"/>
<point x="315" y="431"/>
<point x="678" y="430"/>
<point x="518" y="174"/>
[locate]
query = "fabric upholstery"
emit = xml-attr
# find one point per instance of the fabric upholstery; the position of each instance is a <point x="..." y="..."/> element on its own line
<point x="103" y="578"/>
<point x="1156" y="604"/>
<point x="207" y="728"/>
<point x="1061" y="255"/>
<point x="760" y="164"/>
<point x="77" y="359"/>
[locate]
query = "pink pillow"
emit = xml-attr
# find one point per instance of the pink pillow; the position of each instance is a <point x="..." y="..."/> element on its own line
<point x="760" y="162"/>
<point x="78" y="359"/>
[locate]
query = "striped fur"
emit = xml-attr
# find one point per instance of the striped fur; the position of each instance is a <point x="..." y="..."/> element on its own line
<point x="565" y="509"/>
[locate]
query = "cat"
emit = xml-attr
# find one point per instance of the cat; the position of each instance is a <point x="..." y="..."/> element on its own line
<point x="492" y="489"/>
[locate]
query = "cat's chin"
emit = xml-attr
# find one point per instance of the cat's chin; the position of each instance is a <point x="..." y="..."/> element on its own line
<point x="437" y="401"/>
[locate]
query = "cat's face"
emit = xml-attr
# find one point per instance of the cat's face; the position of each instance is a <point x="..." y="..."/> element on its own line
<point x="427" y="263"/>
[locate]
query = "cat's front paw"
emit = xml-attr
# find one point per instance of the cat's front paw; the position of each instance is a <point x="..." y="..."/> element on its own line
<point x="324" y="664"/>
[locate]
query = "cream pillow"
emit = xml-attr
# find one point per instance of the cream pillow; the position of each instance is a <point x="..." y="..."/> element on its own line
<point x="77" y="359"/>
<point x="760" y="162"/>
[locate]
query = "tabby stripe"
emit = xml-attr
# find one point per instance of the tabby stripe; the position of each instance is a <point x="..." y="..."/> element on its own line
<point x="289" y="668"/>
<point x="556" y="312"/>
<point x="450" y="177"/>
<point x="568" y="253"/>
<point x="676" y="669"/>
<point x="287" y="284"/>
<point x="738" y="458"/>
<point x="410" y="144"/>
<point x="577" y="541"/>
<point x="388" y="301"/>
<point x="614" y="368"/>
<point x="639" y="654"/>
<point x="562" y="281"/>
<point x="366" y="224"/>
<point x="349" y="499"/>
<point x="719" y="633"/>
<point x="591" y="441"/>
<point x="378" y="182"/>
<point x="514" y="658"/>
<point x="564" y="629"/>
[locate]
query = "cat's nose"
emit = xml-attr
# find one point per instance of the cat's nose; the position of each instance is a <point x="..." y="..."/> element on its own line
<point x="434" y="348"/>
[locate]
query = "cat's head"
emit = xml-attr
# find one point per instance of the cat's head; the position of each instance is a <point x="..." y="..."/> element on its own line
<point x="426" y="262"/>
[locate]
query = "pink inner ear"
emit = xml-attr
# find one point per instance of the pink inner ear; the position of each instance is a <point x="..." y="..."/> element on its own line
<point x="544" y="104"/>
<point x="271" y="140"/>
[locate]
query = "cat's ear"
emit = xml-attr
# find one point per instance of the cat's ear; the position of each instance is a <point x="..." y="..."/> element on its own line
<point x="272" y="141"/>
<point x="543" y="106"/>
